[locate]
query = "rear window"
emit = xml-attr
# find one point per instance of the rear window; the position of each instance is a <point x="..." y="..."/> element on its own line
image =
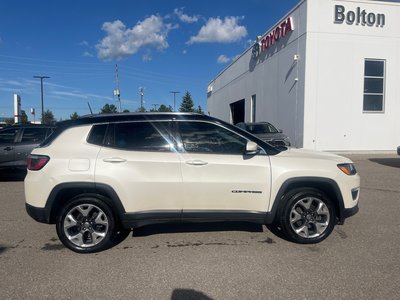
<point x="34" y="135"/>
<point x="96" y="135"/>
<point x="142" y="136"/>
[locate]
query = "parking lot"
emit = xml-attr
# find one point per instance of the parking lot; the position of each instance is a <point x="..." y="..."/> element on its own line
<point x="360" y="260"/>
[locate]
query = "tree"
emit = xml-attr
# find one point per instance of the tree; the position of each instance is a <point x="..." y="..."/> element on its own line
<point x="48" y="117"/>
<point x="126" y="110"/>
<point x="74" y="116"/>
<point x="141" y="109"/>
<point x="187" y="103"/>
<point x="108" y="109"/>
<point x="199" y="110"/>
<point x="164" y="108"/>
<point x="24" y="117"/>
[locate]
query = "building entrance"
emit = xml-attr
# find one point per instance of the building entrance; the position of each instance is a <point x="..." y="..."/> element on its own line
<point x="237" y="111"/>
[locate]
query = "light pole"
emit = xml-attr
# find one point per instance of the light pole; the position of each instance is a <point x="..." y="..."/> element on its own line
<point x="174" y="92"/>
<point x="41" y="91"/>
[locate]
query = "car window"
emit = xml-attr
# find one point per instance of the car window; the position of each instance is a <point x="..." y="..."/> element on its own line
<point x="34" y="135"/>
<point x="142" y="136"/>
<point x="202" y="137"/>
<point x="8" y="135"/>
<point x="97" y="133"/>
<point x="261" y="128"/>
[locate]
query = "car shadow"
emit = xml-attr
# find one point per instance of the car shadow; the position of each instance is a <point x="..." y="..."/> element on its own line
<point x="196" y="227"/>
<point x="12" y="175"/>
<point x="180" y="294"/>
<point x="389" y="162"/>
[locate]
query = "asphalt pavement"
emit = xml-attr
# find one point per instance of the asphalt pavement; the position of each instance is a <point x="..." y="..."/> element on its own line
<point x="360" y="260"/>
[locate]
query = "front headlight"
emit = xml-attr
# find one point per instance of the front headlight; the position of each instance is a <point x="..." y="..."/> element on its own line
<point x="348" y="169"/>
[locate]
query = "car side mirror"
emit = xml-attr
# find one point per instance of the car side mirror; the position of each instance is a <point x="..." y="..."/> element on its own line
<point x="251" y="148"/>
<point x="280" y="130"/>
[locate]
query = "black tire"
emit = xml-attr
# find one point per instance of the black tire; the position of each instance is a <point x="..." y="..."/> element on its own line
<point x="307" y="216"/>
<point x="96" y="231"/>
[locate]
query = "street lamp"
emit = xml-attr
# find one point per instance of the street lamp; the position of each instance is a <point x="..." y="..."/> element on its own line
<point x="41" y="91"/>
<point x="174" y="92"/>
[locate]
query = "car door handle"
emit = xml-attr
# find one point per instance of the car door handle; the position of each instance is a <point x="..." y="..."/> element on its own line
<point x="8" y="148"/>
<point x="196" y="162"/>
<point x="114" y="160"/>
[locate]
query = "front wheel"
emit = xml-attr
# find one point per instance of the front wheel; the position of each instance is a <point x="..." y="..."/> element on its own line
<point x="307" y="216"/>
<point x="86" y="225"/>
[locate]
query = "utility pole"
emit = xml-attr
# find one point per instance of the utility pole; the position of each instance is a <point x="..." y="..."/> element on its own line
<point x="174" y="92"/>
<point x="141" y="90"/>
<point x="116" y="91"/>
<point x="41" y="91"/>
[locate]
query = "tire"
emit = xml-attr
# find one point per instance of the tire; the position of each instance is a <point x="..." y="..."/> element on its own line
<point x="87" y="225"/>
<point x="307" y="216"/>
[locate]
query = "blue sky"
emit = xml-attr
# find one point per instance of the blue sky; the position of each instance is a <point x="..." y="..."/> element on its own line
<point x="159" y="45"/>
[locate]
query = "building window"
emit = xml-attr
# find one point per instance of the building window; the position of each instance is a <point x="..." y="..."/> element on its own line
<point x="374" y="85"/>
<point x="253" y="108"/>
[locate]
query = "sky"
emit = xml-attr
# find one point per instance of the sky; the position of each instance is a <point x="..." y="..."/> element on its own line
<point x="160" y="45"/>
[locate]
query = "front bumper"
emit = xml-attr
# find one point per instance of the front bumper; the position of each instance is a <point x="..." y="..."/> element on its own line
<point x="40" y="214"/>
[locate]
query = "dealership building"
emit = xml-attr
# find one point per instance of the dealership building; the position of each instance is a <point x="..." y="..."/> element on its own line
<point x="327" y="74"/>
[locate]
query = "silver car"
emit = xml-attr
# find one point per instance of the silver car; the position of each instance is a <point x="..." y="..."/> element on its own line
<point x="17" y="142"/>
<point x="266" y="132"/>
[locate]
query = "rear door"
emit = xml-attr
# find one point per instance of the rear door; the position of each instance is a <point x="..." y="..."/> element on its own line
<point x="140" y="162"/>
<point x="7" y="146"/>
<point x="30" y="138"/>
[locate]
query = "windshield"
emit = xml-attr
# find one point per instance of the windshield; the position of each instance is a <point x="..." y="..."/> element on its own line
<point x="261" y="128"/>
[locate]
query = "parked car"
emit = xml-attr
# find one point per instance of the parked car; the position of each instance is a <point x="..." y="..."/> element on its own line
<point x="17" y="142"/>
<point x="98" y="176"/>
<point x="267" y="132"/>
<point x="398" y="150"/>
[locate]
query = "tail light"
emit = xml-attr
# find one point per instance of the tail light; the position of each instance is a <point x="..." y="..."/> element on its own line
<point x="37" y="162"/>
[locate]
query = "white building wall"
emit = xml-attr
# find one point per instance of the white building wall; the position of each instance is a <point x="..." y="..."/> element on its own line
<point x="335" y="54"/>
<point x="272" y="78"/>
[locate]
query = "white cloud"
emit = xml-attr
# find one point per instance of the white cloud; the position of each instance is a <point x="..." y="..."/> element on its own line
<point x="220" y="31"/>
<point x="184" y="17"/>
<point x="87" y="54"/>
<point x="120" y="41"/>
<point x="147" y="57"/>
<point x="84" y="43"/>
<point x="223" y="59"/>
<point x="184" y="51"/>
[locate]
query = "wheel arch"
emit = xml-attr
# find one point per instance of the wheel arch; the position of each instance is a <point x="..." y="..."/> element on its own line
<point x="64" y="192"/>
<point x="325" y="185"/>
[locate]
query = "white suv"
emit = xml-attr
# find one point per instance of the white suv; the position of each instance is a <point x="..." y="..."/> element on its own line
<point x="99" y="176"/>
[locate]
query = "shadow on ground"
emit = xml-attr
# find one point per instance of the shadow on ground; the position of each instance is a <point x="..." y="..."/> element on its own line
<point x="389" y="162"/>
<point x="188" y="294"/>
<point x="12" y="175"/>
<point x="196" y="227"/>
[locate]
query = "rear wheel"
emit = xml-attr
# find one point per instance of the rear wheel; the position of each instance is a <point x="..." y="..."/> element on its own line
<point x="307" y="216"/>
<point x="86" y="225"/>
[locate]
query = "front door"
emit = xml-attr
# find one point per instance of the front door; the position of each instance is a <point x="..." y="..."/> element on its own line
<point x="217" y="176"/>
<point x="7" y="147"/>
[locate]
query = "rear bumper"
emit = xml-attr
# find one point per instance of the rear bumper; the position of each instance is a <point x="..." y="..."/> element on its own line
<point x="40" y="214"/>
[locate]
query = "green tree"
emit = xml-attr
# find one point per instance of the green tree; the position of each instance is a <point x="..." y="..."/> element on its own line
<point x="199" y="110"/>
<point x="126" y="110"/>
<point x="187" y="103"/>
<point x="24" y="117"/>
<point x="108" y="109"/>
<point x="164" y="108"/>
<point x="141" y="109"/>
<point x="48" y="117"/>
<point x="74" y="116"/>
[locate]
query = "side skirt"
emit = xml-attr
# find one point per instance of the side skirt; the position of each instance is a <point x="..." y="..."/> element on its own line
<point x="138" y="219"/>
